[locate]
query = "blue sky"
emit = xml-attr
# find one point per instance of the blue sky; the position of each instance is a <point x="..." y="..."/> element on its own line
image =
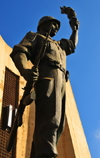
<point x="17" y="17"/>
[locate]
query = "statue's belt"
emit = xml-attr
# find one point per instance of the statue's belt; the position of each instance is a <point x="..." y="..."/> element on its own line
<point x="55" y="64"/>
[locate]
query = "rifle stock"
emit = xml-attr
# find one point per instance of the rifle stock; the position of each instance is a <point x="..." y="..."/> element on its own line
<point x="18" y="118"/>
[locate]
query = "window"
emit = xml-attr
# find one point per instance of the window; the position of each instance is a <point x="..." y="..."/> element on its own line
<point x="10" y="97"/>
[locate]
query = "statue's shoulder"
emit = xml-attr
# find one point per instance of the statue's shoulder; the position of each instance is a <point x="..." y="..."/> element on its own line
<point x="30" y="35"/>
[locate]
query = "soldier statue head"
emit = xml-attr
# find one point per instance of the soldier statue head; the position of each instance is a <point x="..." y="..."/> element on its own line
<point x="45" y="22"/>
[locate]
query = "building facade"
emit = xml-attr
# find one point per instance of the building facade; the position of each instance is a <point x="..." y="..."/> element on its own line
<point x="72" y="143"/>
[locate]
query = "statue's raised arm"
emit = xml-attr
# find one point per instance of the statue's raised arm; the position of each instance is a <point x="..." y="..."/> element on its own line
<point x="74" y="23"/>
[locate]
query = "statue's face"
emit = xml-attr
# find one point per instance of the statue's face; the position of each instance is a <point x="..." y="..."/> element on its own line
<point x="54" y="29"/>
<point x="45" y="27"/>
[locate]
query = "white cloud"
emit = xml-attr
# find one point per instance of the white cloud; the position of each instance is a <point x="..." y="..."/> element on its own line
<point x="97" y="134"/>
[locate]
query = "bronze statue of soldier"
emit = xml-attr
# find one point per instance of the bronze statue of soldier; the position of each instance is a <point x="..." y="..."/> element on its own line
<point x="50" y="79"/>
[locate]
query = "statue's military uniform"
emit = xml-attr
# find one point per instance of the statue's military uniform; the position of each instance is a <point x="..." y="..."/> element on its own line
<point x="50" y="89"/>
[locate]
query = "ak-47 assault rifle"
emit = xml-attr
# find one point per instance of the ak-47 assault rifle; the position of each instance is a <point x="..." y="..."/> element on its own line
<point x="28" y="96"/>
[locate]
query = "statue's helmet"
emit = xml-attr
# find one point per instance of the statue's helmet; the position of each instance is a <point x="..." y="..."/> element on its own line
<point x="47" y="18"/>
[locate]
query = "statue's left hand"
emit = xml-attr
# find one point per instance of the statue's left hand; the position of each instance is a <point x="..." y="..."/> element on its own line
<point x="74" y="23"/>
<point x="67" y="10"/>
<point x="64" y="9"/>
